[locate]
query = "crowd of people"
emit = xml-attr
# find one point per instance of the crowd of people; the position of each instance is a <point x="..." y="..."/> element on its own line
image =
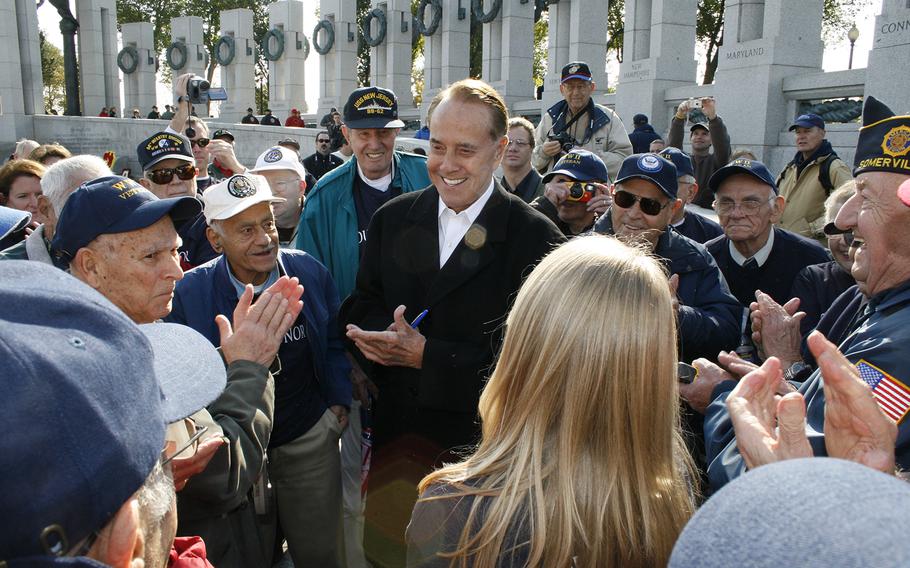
<point x="560" y="344"/>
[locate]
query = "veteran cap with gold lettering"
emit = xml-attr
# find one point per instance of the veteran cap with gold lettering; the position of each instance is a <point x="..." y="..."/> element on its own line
<point x="884" y="140"/>
<point x="163" y="146"/>
<point x="372" y="107"/>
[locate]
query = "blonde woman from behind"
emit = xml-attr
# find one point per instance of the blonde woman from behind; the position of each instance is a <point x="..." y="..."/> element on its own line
<point x="581" y="461"/>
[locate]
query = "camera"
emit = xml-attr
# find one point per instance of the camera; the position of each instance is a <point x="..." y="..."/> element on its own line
<point x="694" y="104"/>
<point x="197" y="90"/>
<point x="581" y="192"/>
<point x="566" y="141"/>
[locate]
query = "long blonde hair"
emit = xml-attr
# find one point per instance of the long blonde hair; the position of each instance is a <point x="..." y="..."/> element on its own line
<point x="581" y="448"/>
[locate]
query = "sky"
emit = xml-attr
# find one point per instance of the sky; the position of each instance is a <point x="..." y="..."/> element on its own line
<point x="835" y="58"/>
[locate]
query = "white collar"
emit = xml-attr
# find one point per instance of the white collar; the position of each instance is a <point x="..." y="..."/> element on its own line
<point x="761" y="256"/>
<point x="474" y="210"/>
<point x="381" y="184"/>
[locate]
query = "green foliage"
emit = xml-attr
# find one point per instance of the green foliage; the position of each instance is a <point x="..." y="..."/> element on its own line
<point x="615" y="20"/>
<point x="839" y="16"/>
<point x="417" y="44"/>
<point x="541" y="42"/>
<point x="363" y="50"/>
<point x="52" y="74"/>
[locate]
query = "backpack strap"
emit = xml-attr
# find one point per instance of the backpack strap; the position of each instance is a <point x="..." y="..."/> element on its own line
<point x="824" y="173"/>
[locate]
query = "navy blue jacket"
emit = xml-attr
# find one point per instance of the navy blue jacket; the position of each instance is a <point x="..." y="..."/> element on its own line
<point x="196" y="248"/>
<point x="698" y="228"/>
<point x="789" y="254"/>
<point x="817" y="286"/>
<point x="709" y="316"/>
<point x="207" y="291"/>
<point x="642" y="137"/>
<point x="880" y="338"/>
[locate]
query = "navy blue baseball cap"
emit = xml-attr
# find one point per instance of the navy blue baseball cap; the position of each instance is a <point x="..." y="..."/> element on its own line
<point x="640" y="119"/>
<point x="580" y="165"/>
<point x="83" y="409"/>
<point x="680" y="159"/>
<point x="653" y="168"/>
<point x="163" y="146"/>
<point x="808" y="120"/>
<point x="113" y="204"/>
<point x="372" y="107"/>
<point x="575" y="70"/>
<point x="753" y="168"/>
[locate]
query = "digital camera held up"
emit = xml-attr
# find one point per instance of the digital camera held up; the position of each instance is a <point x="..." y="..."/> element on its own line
<point x="566" y="141"/>
<point x="581" y="192"/>
<point x="197" y="90"/>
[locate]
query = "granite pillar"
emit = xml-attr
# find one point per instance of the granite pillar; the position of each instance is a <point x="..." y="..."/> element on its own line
<point x="99" y="78"/>
<point x="390" y="61"/>
<point x="508" y="51"/>
<point x="287" y="75"/>
<point x="139" y="87"/>
<point x="886" y="75"/>
<point x="338" y="67"/>
<point x="238" y="76"/>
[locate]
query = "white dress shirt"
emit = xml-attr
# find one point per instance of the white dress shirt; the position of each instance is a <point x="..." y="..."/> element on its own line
<point x="453" y="226"/>
<point x="761" y="256"/>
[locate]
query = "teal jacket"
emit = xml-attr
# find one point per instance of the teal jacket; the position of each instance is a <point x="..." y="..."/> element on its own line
<point x="328" y="226"/>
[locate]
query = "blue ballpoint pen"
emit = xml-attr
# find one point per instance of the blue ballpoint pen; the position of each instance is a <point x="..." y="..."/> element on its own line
<point x="419" y="318"/>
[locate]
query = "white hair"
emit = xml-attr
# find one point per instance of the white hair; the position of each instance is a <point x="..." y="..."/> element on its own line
<point x="64" y="177"/>
<point x="24" y="147"/>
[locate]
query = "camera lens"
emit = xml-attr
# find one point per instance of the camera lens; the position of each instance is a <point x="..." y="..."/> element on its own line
<point x="576" y="191"/>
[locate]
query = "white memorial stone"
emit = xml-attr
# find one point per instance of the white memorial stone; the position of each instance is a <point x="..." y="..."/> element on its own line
<point x="886" y="76"/>
<point x="390" y="61"/>
<point x="287" y="75"/>
<point x="508" y="49"/>
<point x="139" y="87"/>
<point x="188" y="30"/>
<point x="338" y="68"/>
<point x="238" y="76"/>
<point x="99" y="78"/>
<point x="446" y="52"/>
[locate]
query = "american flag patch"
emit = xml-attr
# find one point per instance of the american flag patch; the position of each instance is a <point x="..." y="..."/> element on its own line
<point x="892" y="396"/>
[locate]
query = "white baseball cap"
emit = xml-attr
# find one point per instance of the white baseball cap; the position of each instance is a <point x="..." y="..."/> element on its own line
<point x="235" y="195"/>
<point x="279" y="158"/>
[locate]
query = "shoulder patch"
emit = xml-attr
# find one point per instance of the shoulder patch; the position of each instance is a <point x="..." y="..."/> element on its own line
<point x="892" y="395"/>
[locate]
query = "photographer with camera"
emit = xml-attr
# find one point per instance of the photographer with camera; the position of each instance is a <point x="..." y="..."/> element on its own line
<point x="577" y="192"/>
<point x="578" y="122"/>
<point x="706" y="130"/>
<point x="191" y="89"/>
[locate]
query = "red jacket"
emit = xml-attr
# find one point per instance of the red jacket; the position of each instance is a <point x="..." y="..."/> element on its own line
<point x="294" y="121"/>
<point x="188" y="552"/>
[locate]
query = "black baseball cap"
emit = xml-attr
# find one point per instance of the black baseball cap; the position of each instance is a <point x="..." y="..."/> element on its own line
<point x="576" y="70"/>
<point x="753" y="168"/>
<point x="372" y="107"/>
<point x="639" y="119"/>
<point x="163" y="146"/>
<point x="653" y="168"/>
<point x="222" y="133"/>
<point x="680" y="159"/>
<point x="884" y="140"/>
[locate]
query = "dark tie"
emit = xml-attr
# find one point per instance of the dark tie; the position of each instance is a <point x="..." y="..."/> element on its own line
<point x="750" y="264"/>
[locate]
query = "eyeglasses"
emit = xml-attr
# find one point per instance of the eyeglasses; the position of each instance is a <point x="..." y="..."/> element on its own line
<point x="518" y="143"/>
<point x="187" y="434"/>
<point x="165" y="175"/>
<point x="747" y="206"/>
<point x="201" y="142"/>
<point x="647" y="205"/>
<point x="322" y="141"/>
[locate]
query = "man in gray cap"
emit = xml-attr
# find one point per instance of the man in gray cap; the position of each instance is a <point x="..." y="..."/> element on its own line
<point x="87" y="477"/>
<point x="120" y="239"/>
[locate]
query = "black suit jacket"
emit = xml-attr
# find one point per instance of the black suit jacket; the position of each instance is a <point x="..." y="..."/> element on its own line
<point x="467" y="299"/>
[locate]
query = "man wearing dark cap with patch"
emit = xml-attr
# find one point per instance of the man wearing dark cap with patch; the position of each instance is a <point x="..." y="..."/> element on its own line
<point x="688" y="224"/>
<point x="88" y="483"/>
<point x="644" y="201"/>
<point x="753" y="254"/>
<point x="810" y="177"/>
<point x="169" y="170"/>
<point x="312" y="390"/>
<point x="269" y="119"/>
<point x="876" y="339"/>
<point x="575" y="193"/>
<point x="120" y="239"/>
<point x="338" y="211"/>
<point x="706" y="131"/>
<point x="249" y="117"/>
<point x="578" y="122"/>
<point x="643" y="134"/>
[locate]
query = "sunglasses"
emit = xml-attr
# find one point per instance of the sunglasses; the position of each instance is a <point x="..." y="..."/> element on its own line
<point x="201" y="142"/>
<point x="165" y="175"/>
<point x="647" y="205"/>
<point x="322" y="141"/>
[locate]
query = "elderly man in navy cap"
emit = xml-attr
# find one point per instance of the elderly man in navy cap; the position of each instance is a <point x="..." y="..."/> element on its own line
<point x="312" y="391"/>
<point x="810" y="177"/>
<point x="120" y="239"/>
<point x="576" y="192"/>
<point x="89" y="481"/>
<point x="874" y="345"/>
<point x="687" y="223"/>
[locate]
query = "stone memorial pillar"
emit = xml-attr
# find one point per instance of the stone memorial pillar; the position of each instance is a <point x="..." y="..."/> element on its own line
<point x="660" y="54"/>
<point x="764" y="42"/>
<point x="447" y="50"/>
<point x="139" y="51"/>
<point x="336" y="34"/>
<point x="287" y="75"/>
<point x="187" y="53"/>
<point x="99" y="79"/>
<point x="236" y="49"/>
<point x="21" y="90"/>
<point x="508" y="49"/>
<point x="390" y="61"/>
<point x="577" y="33"/>
<point x="886" y="76"/>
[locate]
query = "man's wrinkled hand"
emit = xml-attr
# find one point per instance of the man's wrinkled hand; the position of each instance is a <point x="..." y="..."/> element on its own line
<point x="768" y="427"/>
<point x="551" y="148"/>
<point x="698" y="392"/>
<point x="775" y="328"/>
<point x="259" y="329"/>
<point x="398" y="346"/>
<point x="856" y="428"/>
<point x="183" y="469"/>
